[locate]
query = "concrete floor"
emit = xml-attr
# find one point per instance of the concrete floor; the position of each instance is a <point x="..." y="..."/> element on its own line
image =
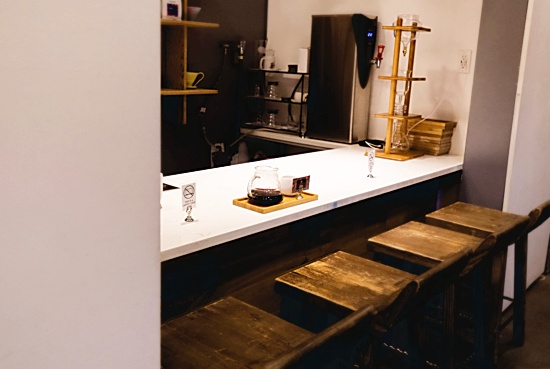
<point x="535" y="354"/>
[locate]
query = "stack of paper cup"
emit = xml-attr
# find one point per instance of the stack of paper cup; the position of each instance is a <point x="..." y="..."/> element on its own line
<point x="303" y="60"/>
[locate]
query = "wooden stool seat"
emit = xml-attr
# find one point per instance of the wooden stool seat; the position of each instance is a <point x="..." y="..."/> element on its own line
<point x="231" y="334"/>
<point x="345" y="282"/>
<point x="227" y="334"/>
<point x="473" y="219"/>
<point x="421" y="243"/>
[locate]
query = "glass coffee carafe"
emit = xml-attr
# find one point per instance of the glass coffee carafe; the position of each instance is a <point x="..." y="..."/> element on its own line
<point x="264" y="188"/>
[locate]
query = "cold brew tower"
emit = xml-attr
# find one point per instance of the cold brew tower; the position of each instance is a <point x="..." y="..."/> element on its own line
<point x="398" y="117"/>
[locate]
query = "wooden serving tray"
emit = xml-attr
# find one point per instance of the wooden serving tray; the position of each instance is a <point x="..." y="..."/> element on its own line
<point x="287" y="202"/>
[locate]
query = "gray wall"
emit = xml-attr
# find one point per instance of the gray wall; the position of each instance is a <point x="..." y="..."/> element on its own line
<point x="493" y="99"/>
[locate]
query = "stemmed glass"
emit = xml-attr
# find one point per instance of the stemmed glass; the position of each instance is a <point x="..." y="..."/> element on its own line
<point x="370" y="156"/>
<point x="188" y="211"/>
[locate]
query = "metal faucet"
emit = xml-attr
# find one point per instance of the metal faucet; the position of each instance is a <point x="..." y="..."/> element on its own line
<point x="378" y="60"/>
<point x="240" y="48"/>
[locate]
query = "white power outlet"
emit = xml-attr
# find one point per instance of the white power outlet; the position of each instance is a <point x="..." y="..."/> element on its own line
<point x="215" y="150"/>
<point x="217" y="147"/>
<point x="465" y="59"/>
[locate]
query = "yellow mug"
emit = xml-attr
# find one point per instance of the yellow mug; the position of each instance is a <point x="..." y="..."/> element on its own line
<point x="193" y="79"/>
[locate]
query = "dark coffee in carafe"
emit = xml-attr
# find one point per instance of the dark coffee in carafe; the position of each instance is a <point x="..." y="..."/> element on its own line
<point x="265" y="197"/>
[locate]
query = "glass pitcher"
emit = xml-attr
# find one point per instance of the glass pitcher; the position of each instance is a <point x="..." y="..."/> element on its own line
<point x="399" y="141"/>
<point x="264" y="187"/>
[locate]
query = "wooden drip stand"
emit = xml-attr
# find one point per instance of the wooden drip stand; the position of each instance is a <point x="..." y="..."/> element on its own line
<point x="408" y="79"/>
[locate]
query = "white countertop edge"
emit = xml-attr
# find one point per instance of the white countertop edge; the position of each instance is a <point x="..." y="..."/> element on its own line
<point x="289" y="215"/>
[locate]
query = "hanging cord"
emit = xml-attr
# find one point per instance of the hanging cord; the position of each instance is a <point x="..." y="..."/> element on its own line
<point x="445" y="95"/>
<point x="428" y="116"/>
<point x="373" y="146"/>
<point x="203" y="109"/>
<point x="238" y="139"/>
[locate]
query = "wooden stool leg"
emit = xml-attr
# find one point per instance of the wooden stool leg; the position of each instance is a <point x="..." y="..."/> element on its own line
<point x="498" y="270"/>
<point x="449" y="324"/>
<point x="520" y="285"/>
<point x="480" y="317"/>
<point x="547" y="269"/>
<point x="416" y="339"/>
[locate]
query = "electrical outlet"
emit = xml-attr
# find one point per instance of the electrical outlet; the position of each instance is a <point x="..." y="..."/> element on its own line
<point x="465" y="59"/>
<point x="217" y="147"/>
<point x="218" y="156"/>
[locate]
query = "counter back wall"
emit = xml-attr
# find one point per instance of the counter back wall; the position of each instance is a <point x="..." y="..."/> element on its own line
<point x="184" y="148"/>
<point x="455" y="27"/>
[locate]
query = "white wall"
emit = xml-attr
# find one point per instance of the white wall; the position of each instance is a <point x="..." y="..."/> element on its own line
<point x="528" y="172"/>
<point x="79" y="190"/>
<point x="454" y="24"/>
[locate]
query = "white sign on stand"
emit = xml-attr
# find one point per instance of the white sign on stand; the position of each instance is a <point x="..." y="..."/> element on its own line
<point x="188" y="199"/>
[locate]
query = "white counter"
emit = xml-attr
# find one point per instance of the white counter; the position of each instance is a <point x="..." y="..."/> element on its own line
<point x="338" y="176"/>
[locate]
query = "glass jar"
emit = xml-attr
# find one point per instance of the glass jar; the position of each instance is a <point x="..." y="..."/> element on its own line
<point x="264" y="186"/>
<point x="272" y="91"/>
<point x="398" y="106"/>
<point x="399" y="141"/>
<point x="271" y="120"/>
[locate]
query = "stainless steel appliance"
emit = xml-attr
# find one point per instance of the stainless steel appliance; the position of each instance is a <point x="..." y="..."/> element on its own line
<point x="342" y="47"/>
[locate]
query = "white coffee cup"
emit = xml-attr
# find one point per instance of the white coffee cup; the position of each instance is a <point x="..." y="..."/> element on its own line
<point x="293" y="185"/>
<point x="300" y="97"/>
<point x="286" y="186"/>
<point x="268" y="61"/>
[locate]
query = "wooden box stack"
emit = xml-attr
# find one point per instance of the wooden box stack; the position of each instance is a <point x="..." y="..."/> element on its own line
<point x="431" y="136"/>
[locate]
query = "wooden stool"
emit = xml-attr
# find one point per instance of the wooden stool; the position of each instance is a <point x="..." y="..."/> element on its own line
<point x="508" y="228"/>
<point x="537" y="217"/>
<point x="344" y="282"/>
<point x="232" y="334"/>
<point x="427" y="245"/>
<point x="422" y="244"/>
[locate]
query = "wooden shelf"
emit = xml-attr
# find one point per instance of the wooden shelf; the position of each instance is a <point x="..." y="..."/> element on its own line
<point x="195" y="91"/>
<point x="400" y="78"/>
<point x="407" y="28"/>
<point x="174" y="36"/>
<point x="280" y="71"/>
<point x="398" y="117"/>
<point x="182" y="23"/>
